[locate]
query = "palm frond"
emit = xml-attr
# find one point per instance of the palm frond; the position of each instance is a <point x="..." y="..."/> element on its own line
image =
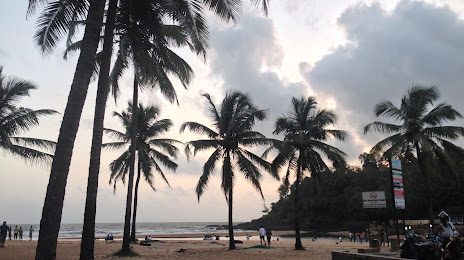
<point x="208" y="169"/>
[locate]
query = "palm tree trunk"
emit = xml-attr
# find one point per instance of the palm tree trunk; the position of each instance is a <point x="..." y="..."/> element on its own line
<point x="428" y="186"/>
<point x="53" y="205"/>
<point x="136" y="193"/>
<point x="88" y="230"/>
<point x="130" y="184"/>
<point x="231" y="225"/>
<point x="296" y="205"/>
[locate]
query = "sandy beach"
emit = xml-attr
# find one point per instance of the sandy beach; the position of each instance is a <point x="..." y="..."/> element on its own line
<point x="182" y="247"/>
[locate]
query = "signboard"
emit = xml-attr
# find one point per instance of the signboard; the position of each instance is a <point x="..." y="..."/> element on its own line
<point x="399" y="198"/>
<point x="397" y="180"/>
<point x="396" y="164"/>
<point x="374" y="200"/>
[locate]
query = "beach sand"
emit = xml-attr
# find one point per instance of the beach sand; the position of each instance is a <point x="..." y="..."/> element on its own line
<point x="194" y="249"/>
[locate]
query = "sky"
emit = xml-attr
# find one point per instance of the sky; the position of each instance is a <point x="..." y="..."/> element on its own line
<point x="349" y="54"/>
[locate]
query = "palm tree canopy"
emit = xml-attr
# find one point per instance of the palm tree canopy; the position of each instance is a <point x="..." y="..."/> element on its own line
<point x="15" y="120"/>
<point x="152" y="150"/>
<point x="231" y="134"/>
<point x="305" y="130"/>
<point x="420" y="122"/>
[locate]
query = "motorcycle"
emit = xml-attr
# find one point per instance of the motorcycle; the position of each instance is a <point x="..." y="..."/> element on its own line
<point x="430" y="249"/>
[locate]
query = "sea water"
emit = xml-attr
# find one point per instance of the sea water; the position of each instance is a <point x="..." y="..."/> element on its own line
<point x="155" y="228"/>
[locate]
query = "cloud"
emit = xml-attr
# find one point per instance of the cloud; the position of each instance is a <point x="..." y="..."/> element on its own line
<point x="386" y="54"/>
<point x="245" y="58"/>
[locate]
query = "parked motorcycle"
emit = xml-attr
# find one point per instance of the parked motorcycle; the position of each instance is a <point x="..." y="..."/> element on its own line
<point x="430" y="249"/>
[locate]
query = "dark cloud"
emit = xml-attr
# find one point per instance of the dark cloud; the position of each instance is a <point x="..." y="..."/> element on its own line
<point x="386" y="54"/>
<point x="244" y="57"/>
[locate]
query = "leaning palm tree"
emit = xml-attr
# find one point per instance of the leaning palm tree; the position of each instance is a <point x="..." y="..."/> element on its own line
<point x="56" y="18"/>
<point x="232" y="134"/>
<point x="151" y="149"/>
<point x="15" y="120"/>
<point x="305" y="130"/>
<point x="53" y="205"/>
<point x="420" y="131"/>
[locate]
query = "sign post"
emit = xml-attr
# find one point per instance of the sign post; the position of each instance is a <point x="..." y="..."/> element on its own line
<point x="397" y="191"/>
<point x="373" y="200"/>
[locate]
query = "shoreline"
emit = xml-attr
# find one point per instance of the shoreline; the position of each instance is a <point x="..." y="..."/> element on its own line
<point x="220" y="233"/>
<point x="178" y="246"/>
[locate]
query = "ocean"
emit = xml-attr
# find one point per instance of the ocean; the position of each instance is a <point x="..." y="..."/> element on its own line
<point x="155" y="228"/>
<point x="69" y="231"/>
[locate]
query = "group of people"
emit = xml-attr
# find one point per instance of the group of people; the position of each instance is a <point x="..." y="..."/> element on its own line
<point x="265" y="233"/>
<point x="359" y="237"/>
<point x="17" y="233"/>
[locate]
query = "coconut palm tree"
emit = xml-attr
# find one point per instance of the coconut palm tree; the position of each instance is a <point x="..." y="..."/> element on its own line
<point x="233" y="132"/>
<point x="305" y="130"/>
<point x="151" y="149"/>
<point x="53" y="205"/>
<point x="420" y="131"/>
<point x="56" y="18"/>
<point x="15" y="120"/>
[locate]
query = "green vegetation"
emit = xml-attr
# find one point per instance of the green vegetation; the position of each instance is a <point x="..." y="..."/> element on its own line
<point x="333" y="201"/>
<point x="420" y="134"/>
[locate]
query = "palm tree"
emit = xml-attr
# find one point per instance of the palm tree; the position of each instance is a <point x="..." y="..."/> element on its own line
<point x="151" y="150"/>
<point x="16" y="120"/>
<point x="54" y="21"/>
<point x="420" y="131"/>
<point x="147" y="46"/>
<point x="53" y="205"/>
<point x="233" y="133"/>
<point x="305" y="130"/>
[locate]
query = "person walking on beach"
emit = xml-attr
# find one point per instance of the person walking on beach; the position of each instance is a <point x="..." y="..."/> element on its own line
<point x="20" y="232"/>
<point x="268" y="235"/>
<point x="248" y="236"/>
<point x="351" y="237"/>
<point x="16" y="231"/>
<point x="3" y="229"/>
<point x="31" y="230"/>
<point x="262" y="233"/>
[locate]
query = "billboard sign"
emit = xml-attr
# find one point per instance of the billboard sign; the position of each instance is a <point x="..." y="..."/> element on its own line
<point x="396" y="164"/>
<point x="397" y="178"/>
<point x="399" y="198"/>
<point x="374" y="200"/>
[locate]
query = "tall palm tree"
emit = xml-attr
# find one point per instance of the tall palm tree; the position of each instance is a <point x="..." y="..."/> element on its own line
<point x="16" y="120"/>
<point x="147" y="46"/>
<point x="233" y="132"/>
<point x="151" y="149"/>
<point x="305" y="130"/>
<point x="420" y="131"/>
<point x="54" y="21"/>
<point x="53" y="205"/>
